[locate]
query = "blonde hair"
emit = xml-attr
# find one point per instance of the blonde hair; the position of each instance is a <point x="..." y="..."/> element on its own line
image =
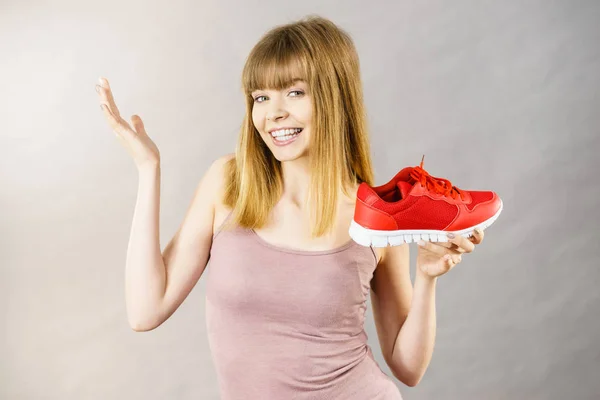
<point x="316" y="50"/>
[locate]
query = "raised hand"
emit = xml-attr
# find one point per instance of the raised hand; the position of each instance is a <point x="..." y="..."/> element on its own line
<point x="133" y="137"/>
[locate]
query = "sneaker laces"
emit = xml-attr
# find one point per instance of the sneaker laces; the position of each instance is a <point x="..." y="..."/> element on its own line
<point x="435" y="184"/>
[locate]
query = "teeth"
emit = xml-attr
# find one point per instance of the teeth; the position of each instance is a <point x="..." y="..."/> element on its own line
<point x="284" y="138"/>
<point x="285" y="132"/>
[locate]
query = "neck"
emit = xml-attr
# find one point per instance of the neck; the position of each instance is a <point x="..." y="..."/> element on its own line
<point x="296" y="182"/>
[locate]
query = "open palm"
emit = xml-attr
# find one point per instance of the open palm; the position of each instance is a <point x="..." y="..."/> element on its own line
<point x="133" y="137"/>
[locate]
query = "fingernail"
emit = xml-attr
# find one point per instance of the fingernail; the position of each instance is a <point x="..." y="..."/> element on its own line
<point x="421" y="243"/>
<point x="451" y="235"/>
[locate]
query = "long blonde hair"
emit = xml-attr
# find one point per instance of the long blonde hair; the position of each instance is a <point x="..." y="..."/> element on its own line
<point x="316" y="50"/>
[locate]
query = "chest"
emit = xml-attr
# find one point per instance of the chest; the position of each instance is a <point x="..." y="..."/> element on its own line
<point x="291" y="229"/>
<point x="260" y="287"/>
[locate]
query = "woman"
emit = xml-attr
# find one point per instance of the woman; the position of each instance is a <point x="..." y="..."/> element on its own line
<point x="286" y="293"/>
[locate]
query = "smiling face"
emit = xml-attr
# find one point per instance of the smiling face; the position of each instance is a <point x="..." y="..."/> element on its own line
<point x="290" y="107"/>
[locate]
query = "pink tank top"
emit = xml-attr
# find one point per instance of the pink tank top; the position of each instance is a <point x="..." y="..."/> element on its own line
<point x="288" y="324"/>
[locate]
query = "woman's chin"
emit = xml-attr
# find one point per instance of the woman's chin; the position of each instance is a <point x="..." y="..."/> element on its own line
<point x="288" y="154"/>
<point x="289" y="151"/>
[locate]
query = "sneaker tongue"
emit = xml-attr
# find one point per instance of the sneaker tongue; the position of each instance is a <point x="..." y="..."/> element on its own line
<point x="404" y="187"/>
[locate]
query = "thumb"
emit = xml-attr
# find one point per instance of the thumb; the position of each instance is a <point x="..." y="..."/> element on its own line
<point x="138" y="125"/>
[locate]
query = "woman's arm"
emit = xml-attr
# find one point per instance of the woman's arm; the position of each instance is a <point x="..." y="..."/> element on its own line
<point x="408" y="314"/>
<point x="414" y="344"/>
<point x="157" y="284"/>
<point x="145" y="275"/>
<point x="404" y="315"/>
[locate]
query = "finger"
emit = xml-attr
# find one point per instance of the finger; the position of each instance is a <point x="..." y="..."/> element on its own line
<point x="106" y="94"/>
<point x="440" y="249"/>
<point x="445" y="244"/>
<point x="452" y="260"/>
<point x="458" y="249"/>
<point x="477" y="237"/>
<point x="451" y="246"/>
<point x="118" y="125"/>
<point x="138" y="125"/>
<point x="461" y="242"/>
<point x="449" y="261"/>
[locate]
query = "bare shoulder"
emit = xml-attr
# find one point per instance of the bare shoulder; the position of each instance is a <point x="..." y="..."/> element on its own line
<point x="219" y="164"/>
<point x="217" y="169"/>
<point x="212" y="182"/>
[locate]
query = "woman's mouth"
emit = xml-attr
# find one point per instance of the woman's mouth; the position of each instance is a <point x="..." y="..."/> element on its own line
<point x="286" y="137"/>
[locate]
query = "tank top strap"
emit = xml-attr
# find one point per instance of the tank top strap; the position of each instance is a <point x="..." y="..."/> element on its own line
<point x="220" y="228"/>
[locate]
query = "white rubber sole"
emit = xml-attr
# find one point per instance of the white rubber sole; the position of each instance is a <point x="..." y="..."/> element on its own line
<point x="369" y="237"/>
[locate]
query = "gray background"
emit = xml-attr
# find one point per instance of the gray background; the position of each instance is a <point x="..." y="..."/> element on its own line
<point x="498" y="95"/>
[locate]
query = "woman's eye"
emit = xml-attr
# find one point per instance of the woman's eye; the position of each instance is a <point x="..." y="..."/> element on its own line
<point x="293" y="91"/>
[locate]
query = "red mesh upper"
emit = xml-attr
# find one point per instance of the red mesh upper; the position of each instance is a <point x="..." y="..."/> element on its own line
<point x="420" y="212"/>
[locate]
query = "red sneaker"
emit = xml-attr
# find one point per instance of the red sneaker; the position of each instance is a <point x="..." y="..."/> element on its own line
<point x="415" y="205"/>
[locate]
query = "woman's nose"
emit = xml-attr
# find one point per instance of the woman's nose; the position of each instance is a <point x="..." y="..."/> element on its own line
<point x="276" y="108"/>
<point x="276" y="114"/>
